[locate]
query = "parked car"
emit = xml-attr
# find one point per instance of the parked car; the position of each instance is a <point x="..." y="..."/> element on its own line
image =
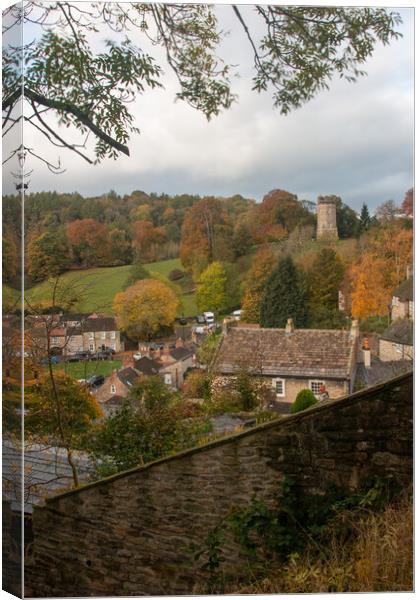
<point x="237" y="314"/>
<point x="54" y="360"/>
<point x="200" y="319"/>
<point x="79" y="356"/>
<point x="102" y="355"/>
<point x="209" y="317"/>
<point x="137" y="356"/>
<point x="95" y="380"/>
<point x="109" y="350"/>
<point x="182" y="321"/>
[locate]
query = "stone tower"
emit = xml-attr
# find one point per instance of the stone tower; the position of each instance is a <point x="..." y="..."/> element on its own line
<point x="326" y="218"/>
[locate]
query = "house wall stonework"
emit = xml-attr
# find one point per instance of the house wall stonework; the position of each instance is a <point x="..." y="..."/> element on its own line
<point x="133" y="534"/>
<point x="293" y="386"/>
<point x="392" y="351"/>
<point x="400" y="309"/>
<point x="104" y="392"/>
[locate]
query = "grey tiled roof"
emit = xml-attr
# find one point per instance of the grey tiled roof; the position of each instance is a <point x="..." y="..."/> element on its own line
<point x="381" y="371"/>
<point x="147" y="366"/>
<point x="399" y="332"/>
<point x="181" y="353"/>
<point x="128" y="376"/>
<point x="303" y="353"/>
<point x="405" y="290"/>
<point x="46" y="472"/>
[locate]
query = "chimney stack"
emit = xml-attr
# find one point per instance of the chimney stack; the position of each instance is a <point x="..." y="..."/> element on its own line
<point x="354" y="331"/>
<point x="290" y="326"/>
<point x="366" y="353"/>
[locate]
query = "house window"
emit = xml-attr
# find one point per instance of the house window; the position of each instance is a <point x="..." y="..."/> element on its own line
<point x="113" y="389"/>
<point x="168" y="378"/>
<point x="103" y="335"/>
<point x="55" y="341"/>
<point x="91" y="347"/>
<point x="315" y="386"/>
<point x="394" y="301"/>
<point x="112" y="335"/>
<point x="279" y="386"/>
<point x="398" y="348"/>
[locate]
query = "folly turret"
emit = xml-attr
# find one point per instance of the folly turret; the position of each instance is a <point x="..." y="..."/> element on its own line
<point x="327" y="218"/>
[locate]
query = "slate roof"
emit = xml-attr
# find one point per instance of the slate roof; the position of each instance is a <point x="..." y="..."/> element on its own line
<point x="381" y="371"/>
<point x="399" y="332"/>
<point x="147" y="366"/>
<point x="180" y="353"/>
<point x="128" y="376"/>
<point x="405" y="290"/>
<point x="273" y="352"/>
<point x="46" y="472"/>
<point x="100" y="324"/>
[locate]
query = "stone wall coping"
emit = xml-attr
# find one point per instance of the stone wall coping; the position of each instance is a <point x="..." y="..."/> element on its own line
<point x="301" y="416"/>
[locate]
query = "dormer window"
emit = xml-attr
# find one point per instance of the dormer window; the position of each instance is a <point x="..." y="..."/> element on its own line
<point x="113" y="389"/>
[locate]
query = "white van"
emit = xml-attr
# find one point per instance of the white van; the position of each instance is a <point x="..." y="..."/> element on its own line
<point x="209" y="316"/>
<point x="237" y="314"/>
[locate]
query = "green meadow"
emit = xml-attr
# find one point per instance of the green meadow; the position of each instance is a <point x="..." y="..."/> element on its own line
<point x="97" y="287"/>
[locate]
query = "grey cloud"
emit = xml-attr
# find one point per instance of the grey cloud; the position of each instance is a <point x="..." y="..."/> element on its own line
<point x="354" y="140"/>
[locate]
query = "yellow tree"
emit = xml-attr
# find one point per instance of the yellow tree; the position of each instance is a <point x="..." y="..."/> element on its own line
<point x="60" y="411"/>
<point x="146" y="307"/>
<point x="212" y="291"/>
<point x="370" y="296"/>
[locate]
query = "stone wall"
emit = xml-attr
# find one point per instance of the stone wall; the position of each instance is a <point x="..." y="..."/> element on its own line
<point x="389" y="351"/>
<point x="133" y="534"/>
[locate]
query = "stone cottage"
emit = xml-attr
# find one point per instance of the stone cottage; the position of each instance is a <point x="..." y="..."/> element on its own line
<point x="170" y="364"/>
<point x="402" y="305"/>
<point x="289" y="360"/>
<point x="396" y="342"/>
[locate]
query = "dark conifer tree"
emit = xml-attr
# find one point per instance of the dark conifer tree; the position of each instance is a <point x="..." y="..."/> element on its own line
<point x="365" y="218"/>
<point x="285" y="296"/>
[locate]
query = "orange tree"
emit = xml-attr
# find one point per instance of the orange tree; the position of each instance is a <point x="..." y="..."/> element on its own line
<point x="382" y="266"/>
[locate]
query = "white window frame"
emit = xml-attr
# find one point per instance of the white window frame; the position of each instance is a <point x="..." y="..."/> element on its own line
<point x="274" y="383"/>
<point x="91" y="347"/>
<point x="316" y="383"/>
<point x="55" y="341"/>
<point x="112" y="335"/>
<point x="103" y="335"/>
<point x="399" y="348"/>
<point x="167" y="377"/>
<point x="113" y="388"/>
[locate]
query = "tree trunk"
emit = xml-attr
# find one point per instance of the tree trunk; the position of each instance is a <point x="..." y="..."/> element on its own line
<point x="73" y="467"/>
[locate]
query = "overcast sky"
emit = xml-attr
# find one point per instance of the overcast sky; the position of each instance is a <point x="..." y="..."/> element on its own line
<point x="355" y="141"/>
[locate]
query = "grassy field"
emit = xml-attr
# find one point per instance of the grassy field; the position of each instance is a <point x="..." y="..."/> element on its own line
<point x="97" y="287"/>
<point x="84" y="369"/>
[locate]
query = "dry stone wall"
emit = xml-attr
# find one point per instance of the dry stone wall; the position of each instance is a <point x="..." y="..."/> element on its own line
<point x="133" y="534"/>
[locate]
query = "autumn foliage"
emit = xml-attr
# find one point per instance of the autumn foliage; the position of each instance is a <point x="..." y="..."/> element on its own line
<point x="145" y="308"/>
<point x="381" y="267"/>
<point x="89" y="241"/>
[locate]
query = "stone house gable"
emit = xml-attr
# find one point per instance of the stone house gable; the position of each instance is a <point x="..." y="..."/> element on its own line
<point x="402" y="305"/>
<point x="117" y="384"/>
<point x="396" y="342"/>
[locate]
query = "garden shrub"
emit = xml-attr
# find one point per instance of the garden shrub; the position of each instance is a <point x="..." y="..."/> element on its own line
<point x="304" y="399"/>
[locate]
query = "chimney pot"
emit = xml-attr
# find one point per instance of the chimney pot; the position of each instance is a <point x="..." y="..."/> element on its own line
<point x="366" y="358"/>
<point x="354" y="331"/>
